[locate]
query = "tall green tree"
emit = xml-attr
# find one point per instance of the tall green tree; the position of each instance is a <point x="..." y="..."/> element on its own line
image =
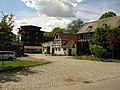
<point x="55" y="30"/>
<point x="108" y="14"/>
<point x="6" y="27"/>
<point x="113" y="39"/>
<point x="74" y="26"/>
<point x="99" y="37"/>
<point x="106" y="37"/>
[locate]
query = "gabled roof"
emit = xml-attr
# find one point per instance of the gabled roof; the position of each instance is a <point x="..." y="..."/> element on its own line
<point x="67" y="37"/>
<point x="91" y="26"/>
<point x="69" y="44"/>
<point x="70" y="39"/>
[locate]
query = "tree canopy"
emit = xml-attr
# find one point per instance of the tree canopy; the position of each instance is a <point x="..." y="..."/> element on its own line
<point x="74" y="26"/>
<point x="55" y="30"/>
<point x="108" y="38"/>
<point x="108" y="14"/>
<point x="6" y="27"/>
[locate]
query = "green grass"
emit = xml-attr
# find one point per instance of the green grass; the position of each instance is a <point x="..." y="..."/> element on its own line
<point x="84" y="57"/>
<point x="8" y="65"/>
<point x="92" y="58"/>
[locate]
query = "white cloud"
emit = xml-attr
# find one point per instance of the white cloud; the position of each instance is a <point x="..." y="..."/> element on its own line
<point x="51" y="13"/>
<point x="47" y="23"/>
<point x="57" y="13"/>
<point x="91" y="20"/>
<point x="54" y="8"/>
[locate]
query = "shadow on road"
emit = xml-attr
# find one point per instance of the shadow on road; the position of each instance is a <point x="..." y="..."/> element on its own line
<point x="13" y="75"/>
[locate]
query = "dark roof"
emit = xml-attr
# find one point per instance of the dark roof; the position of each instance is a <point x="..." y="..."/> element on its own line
<point x="30" y="26"/>
<point x="65" y="36"/>
<point x="91" y="26"/>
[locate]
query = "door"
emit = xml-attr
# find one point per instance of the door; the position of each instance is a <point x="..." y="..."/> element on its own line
<point x="53" y="51"/>
<point x="69" y="52"/>
<point x="48" y="50"/>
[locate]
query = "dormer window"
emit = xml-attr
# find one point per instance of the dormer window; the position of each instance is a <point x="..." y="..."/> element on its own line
<point x="105" y="24"/>
<point x="90" y="26"/>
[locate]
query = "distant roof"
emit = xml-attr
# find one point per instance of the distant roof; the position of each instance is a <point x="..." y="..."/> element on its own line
<point x="30" y="26"/>
<point x="91" y="26"/>
<point x="65" y="36"/>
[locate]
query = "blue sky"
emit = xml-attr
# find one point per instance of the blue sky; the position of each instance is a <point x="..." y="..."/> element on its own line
<point x="51" y="13"/>
<point x="15" y="6"/>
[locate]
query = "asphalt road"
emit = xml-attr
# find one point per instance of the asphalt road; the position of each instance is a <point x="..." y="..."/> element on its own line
<point x="103" y="85"/>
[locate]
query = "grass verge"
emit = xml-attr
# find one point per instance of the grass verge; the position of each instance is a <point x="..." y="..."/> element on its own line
<point x="10" y="65"/>
<point x="92" y="58"/>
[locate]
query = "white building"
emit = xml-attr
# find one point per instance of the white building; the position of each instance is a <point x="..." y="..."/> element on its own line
<point x="64" y="44"/>
<point x="47" y="47"/>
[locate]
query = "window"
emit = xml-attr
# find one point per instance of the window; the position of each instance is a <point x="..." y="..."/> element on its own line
<point x="27" y="37"/>
<point x="40" y="43"/>
<point x="64" y="49"/>
<point x="104" y="24"/>
<point x="27" y="32"/>
<point x="81" y="36"/>
<point x="73" y="46"/>
<point x="56" y="36"/>
<point x="36" y="43"/>
<point x="59" y="49"/>
<point x="64" y="42"/>
<point x="36" y="37"/>
<point x="90" y="26"/>
<point x="36" y="33"/>
<point x="27" y="42"/>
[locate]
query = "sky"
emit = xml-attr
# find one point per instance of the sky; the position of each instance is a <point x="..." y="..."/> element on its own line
<point x="49" y="14"/>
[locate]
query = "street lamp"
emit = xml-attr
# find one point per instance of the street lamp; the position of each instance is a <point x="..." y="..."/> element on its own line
<point x="2" y="44"/>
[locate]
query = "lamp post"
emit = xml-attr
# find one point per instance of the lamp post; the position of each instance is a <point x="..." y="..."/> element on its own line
<point x="2" y="44"/>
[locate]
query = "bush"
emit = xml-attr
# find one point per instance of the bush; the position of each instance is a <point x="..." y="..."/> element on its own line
<point x="97" y="51"/>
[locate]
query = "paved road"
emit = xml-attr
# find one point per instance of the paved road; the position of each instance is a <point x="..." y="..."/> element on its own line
<point x="64" y="73"/>
<point x="104" y="85"/>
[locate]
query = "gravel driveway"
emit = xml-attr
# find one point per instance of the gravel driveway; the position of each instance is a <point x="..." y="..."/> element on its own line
<point x="63" y="71"/>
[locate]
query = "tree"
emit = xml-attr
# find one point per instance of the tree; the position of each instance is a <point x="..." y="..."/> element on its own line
<point x="97" y="51"/>
<point x="99" y="37"/>
<point x="108" y="38"/>
<point x="74" y="26"/>
<point x="55" y="30"/>
<point x="108" y="14"/>
<point x="6" y="27"/>
<point x="113" y="39"/>
<point x="6" y="34"/>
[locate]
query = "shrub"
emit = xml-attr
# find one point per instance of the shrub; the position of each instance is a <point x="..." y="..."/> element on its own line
<point x="97" y="51"/>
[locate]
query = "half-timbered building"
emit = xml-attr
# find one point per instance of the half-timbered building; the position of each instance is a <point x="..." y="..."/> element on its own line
<point x="64" y="44"/>
<point x="89" y="28"/>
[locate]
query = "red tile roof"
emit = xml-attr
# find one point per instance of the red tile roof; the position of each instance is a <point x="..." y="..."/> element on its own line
<point x="67" y="37"/>
<point x="69" y="44"/>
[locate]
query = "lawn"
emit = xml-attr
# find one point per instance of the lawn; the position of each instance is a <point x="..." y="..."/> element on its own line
<point x="9" y="65"/>
<point x="92" y="58"/>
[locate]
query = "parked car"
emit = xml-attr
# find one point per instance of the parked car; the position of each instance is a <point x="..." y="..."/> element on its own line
<point x="7" y="55"/>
